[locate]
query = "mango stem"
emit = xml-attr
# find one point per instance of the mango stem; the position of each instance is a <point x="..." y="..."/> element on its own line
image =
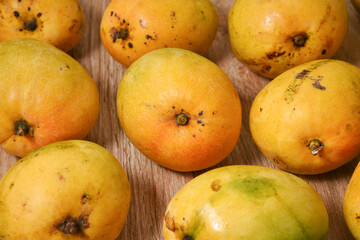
<point x="300" y="40"/>
<point x="69" y="226"/>
<point x="315" y="146"/>
<point x="182" y="118"/>
<point x="22" y="128"/>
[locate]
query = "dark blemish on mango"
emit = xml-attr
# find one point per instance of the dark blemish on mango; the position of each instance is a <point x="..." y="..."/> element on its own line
<point x="199" y="121"/>
<point x="194" y="135"/>
<point x="173" y="14"/>
<point x="29" y="8"/>
<point x="130" y="45"/>
<point x="70" y="225"/>
<point x="280" y="163"/>
<point x="323" y="52"/>
<point x="300" y="39"/>
<point x="275" y="54"/>
<point x="190" y="43"/>
<point x="173" y="107"/>
<point x="61" y="177"/>
<point x="30" y="25"/>
<point x="36" y="155"/>
<point x="201" y="113"/>
<point x="266" y="69"/>
<point x="149" y="37"/>
<point x="261" y="109"/>
<point x="187" y="237"/>
<point x="74" y="23"/>
<point x="122" y="34"/>
<point x="302" y="74"/>
<point x="317" y="83"/>
<point x="117" y="17"/>
<point x="84" y="198"/>
<point x="39" y="15"/>
<point x="124" y="21"/>
<point x="111" y="13"/>
<point x="169" y="222"/>
<point x="16" y="14"/>
<point x="215" y="185"/>
<point x="84" y="221"/>
<point x="11" y="185"/>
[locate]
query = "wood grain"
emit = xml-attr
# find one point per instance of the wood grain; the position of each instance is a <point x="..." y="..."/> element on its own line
<point x="152" y="185"/>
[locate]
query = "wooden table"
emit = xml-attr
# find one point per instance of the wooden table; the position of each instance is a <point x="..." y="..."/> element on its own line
<point x="152" y="185"/>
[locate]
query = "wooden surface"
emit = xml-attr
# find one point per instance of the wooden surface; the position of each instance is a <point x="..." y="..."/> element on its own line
<point x="152" y="185"/>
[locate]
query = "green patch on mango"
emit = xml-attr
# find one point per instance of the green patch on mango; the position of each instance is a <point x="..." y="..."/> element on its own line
<point x="254" y="186"/>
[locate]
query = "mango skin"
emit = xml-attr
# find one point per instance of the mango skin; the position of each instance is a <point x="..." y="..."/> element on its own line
<point x="351" y="204"/>
<point x="316" y="100"/>
<point x="74" y="178"/>
<point x="262" y="33"/>
<point x="151" y="25"/>
<point x="246" y="202"/>
<point x="171" y="81"/>
<point x="60" y="23"/>
<point x="48" y="89"/>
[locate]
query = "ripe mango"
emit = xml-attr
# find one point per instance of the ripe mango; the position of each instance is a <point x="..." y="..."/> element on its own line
<point x="271" y="37"/>
<point x="71" y="190"/>
<point x="307" y="120"/>
<point x="131" y="28"/>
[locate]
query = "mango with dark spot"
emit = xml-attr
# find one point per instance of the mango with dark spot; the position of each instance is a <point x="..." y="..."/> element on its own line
<point x="305" y="114"/>
<point x="168" y="126"/>
<point x="55" y="194"/>
<point x="158" y="24"/>
<point x="246" y="202"/>
<point x="283" y="34"/>
<point x="43" y="20"/>
<point x="61" y="100"/>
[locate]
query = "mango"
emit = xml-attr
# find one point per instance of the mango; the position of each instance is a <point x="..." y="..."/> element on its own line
<point x="270" y="37"/>
<point x="71" y="190"/>
<point x="246" y="202"/>
<point x="60" y="23"/>
<point x="45" y="96"/>
<point x="131" y="28"/>
<point x="307" y="120"/>
<point x="179" y="109"/>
